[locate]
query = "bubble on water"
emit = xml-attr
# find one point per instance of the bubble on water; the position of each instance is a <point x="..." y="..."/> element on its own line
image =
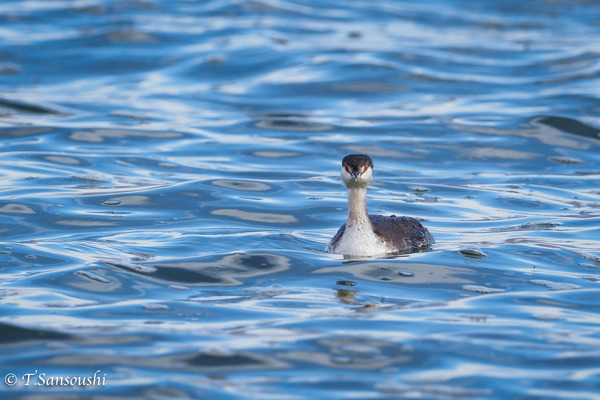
<point x="144" y="269"/>
<point x="472" y="252"/>
<point x="565" y="160"/>
<point x="423" y="198"/>
<point x="418" y="189"/>
<point x="90" y="177"/>
<point x="111" y="202"/>
<point x="9" y="68"/>
<point x="273" y="290"/>
<point x="477" y="317"/>
<point x="591" y="278"/>
<point x="481" y="289"/>
<point x="539" y="226"/>
<point x="554" y="285"/>
<point x="156" y="307"/>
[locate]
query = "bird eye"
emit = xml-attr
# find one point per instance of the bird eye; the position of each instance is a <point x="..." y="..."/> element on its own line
<point x="366" y="168"/>
<point x="347" y="169"/>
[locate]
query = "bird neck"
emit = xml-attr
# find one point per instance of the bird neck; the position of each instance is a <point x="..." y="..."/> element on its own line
<point x="357" y="205"/>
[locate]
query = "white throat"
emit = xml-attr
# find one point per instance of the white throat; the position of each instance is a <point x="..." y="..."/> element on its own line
<point x="359" y="238"/>
<point x="357" y="206"/>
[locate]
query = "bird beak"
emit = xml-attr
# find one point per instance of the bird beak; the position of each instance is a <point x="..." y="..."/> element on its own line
<point x="356" y="175"/>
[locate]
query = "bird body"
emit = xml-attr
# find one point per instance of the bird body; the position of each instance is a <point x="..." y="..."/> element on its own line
<point x="364" y="234"/>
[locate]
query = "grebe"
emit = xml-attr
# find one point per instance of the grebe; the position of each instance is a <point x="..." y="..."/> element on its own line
<point x="364" y="234"/>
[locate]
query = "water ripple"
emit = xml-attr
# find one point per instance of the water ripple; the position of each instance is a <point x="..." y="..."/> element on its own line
<point x="169" y="185"/>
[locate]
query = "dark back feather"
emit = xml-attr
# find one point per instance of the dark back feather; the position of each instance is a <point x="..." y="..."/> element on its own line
<point x="404" y="233"/>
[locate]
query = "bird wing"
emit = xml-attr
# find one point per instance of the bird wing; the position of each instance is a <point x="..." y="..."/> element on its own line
<point x="334" y="240"/>
<point x="405" y="233"/>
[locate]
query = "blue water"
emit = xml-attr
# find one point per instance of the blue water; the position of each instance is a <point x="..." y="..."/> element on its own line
<point x="169" y="183"/>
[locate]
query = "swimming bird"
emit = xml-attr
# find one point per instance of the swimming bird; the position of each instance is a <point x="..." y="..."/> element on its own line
<point x="367" y="235"/>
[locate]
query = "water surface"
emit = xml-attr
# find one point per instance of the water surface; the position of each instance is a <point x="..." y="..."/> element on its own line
<point x="169" y="186"/>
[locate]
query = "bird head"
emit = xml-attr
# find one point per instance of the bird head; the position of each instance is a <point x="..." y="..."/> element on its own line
<point x="357" y="170"/>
